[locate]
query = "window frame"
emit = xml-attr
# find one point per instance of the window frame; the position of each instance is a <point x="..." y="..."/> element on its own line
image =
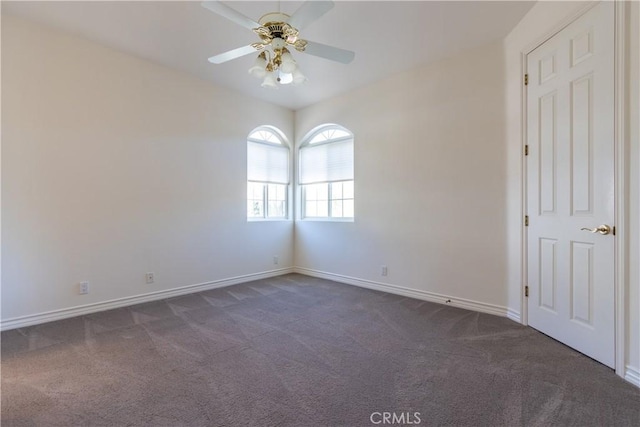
<point x="303" y="187"/>
<point x="265" y="184"/>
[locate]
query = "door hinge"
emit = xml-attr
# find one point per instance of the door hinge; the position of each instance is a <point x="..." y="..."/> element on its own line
<point x="526" y="291"/>
<point x="526" y="150"/>
<point x="526" y="79"/>
<point x="526" y="220"/>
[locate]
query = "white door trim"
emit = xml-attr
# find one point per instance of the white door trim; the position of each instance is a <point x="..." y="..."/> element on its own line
<point x="621" y="169"/>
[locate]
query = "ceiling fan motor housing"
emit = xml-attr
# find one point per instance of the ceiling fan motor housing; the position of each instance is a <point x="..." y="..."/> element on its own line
<point x="276" y="24"/>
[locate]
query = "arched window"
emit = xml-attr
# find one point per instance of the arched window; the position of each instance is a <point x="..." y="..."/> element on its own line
<point x="326" y="173"/>
<point x="267" y="174"/>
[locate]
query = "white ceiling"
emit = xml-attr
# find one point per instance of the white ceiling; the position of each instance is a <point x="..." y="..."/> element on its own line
<point x="387" y="36"/>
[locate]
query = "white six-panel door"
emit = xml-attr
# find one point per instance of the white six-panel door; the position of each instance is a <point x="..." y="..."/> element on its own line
<point x="570" y="185"/>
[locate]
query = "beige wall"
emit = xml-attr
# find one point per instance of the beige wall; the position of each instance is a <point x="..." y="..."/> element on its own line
<point x="113" y="167"/>
<point x="429" y="181"/>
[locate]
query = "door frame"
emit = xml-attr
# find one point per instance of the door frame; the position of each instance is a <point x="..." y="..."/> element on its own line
<point x="621" y="170"/>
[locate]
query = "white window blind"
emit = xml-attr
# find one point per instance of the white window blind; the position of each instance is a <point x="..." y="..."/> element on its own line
<point x="267" y="163"/>
<point x="327" y="162"/>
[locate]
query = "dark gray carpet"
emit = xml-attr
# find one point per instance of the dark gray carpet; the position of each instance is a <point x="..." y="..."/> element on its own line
<point x="300" y="351"/>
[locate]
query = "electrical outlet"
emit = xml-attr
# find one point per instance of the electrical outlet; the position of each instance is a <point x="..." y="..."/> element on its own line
<point x="383" y="270"/>
<point x="149" y="277"/>
<point x="275" y="260"/>
<point x="83" y="288"/>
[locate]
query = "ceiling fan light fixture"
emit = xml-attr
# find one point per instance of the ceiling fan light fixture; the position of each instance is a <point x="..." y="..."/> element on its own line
<point x="259" y="68"/>
<point x="276" y="68"/>
<point x="298" y="77"/>
<point x="270" y="80"/>
<point x="284" y="78"/>
<point x="288" y="64"/>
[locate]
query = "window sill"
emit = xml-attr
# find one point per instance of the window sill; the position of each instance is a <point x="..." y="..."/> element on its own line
<point x="328" y="219"/>
<point x="268" y="219"/>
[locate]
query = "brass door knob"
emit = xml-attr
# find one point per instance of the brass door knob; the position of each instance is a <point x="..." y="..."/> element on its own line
<point x="603" y="229"/>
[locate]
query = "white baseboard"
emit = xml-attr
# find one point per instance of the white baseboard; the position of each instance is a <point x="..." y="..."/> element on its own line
<point x="514" y="315"/>
<point x="632" y="375"/>
<point x="34" y="319"/>
<point x="413" y="293"/>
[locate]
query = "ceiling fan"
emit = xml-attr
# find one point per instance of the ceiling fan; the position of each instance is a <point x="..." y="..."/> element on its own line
<point x="278" y="32"/>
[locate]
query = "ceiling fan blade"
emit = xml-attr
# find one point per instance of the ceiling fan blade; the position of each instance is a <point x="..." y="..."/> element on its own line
<point x="230" y="13"/>
<point x="329" y="52"/>
<point x="232" y="54"/>
<point x="309" y="12"/>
